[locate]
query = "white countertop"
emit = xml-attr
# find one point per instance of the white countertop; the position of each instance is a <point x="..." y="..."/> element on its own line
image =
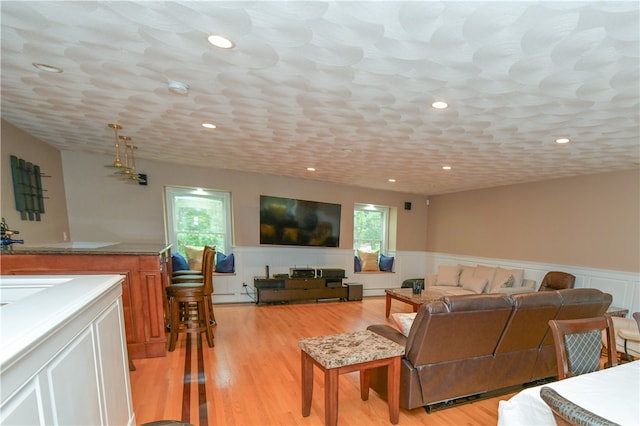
<point x="37" y="304"/>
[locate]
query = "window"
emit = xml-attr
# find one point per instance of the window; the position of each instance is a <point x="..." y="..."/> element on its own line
<point x="370" y="227"/>
<point x="198" y="217"/>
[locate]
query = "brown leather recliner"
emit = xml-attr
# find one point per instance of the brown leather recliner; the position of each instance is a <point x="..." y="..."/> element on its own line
<point x="467" y="345"/>
<point x="517" y="351"/>
<point x="449" y="349"/>
<point x="576" y="303"/>
<point x="557" y="280"/>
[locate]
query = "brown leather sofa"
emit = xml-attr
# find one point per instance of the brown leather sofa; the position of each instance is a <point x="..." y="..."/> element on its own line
<point x="467" y="345"/>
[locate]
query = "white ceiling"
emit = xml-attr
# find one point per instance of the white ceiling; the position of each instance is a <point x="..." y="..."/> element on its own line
<point x="345" y="87"/>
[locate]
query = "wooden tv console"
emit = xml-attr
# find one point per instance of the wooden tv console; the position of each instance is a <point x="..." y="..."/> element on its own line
<point x="274" y="290"/>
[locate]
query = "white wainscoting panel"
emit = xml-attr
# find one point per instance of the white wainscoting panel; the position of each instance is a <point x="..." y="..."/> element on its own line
<point x="75" y="401"/>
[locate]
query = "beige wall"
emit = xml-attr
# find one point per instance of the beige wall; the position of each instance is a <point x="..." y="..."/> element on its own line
<point x="54" y="221"/>
<point x="104" y="209"/>
<point x="591" y="221"/>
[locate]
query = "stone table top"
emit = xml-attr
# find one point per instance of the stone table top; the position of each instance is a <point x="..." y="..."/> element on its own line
<point x="339" y="350"/>
<point x="407" y="294"/>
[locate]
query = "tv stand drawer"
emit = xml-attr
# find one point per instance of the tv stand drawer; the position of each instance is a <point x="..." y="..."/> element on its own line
<point x="270" y="295"/>
<point x="304" y="283"/>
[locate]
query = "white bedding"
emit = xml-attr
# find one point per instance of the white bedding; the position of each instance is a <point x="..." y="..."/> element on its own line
<point x="612" y="393"/>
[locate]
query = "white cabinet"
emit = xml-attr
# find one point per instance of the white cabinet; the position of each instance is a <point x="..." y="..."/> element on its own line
<point x="63" y="356"/>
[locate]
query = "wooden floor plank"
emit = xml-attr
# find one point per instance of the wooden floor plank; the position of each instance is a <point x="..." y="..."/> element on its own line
<point x="252" y="375"/>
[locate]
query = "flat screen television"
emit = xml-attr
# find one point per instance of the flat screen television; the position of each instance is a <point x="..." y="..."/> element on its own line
<point x="285" y="221"/>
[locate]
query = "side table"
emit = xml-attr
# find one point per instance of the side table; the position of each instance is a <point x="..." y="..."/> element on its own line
<point x="344" y="353"/>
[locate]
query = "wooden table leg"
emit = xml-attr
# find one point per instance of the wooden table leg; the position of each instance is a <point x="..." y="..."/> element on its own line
<point x="393" y="389"/>
<point x="365" y="381"/>
<point x="307" y="383"/>
<point x="331" y="397"/>
<point x="387" y="306"/>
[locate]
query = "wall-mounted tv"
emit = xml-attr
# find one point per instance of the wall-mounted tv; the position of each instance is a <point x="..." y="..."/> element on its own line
<point x="285" y="221"/>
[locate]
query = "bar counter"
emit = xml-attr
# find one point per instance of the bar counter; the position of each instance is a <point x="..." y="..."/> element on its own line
<point x="146" y="269"/>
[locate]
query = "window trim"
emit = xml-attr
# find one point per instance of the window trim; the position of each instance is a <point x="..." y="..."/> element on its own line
<point x="169" y="196"/>
<point x="386" y="217"/>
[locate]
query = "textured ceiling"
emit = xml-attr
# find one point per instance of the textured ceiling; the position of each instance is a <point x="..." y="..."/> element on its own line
<point x="344" y="87"/>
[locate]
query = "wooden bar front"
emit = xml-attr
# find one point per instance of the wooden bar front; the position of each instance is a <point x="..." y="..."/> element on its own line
<point x="146" y="268"/>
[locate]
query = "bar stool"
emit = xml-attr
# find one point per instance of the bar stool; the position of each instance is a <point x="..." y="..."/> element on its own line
<point x="190" y="305"/>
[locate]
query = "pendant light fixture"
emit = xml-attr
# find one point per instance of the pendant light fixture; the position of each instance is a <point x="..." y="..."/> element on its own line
<point x="125" y="171"/>
<point x="117" y="162"/>
<point x="133" y="177"/>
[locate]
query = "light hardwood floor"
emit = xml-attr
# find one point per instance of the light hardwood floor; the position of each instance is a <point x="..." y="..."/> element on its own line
<point x="252" y="375"/>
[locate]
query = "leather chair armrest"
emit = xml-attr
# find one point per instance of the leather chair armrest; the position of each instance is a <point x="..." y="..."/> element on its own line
<point x="389" y="332"/>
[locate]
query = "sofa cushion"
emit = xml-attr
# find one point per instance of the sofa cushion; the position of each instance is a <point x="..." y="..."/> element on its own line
<point x="438" y="291"/>
<point x="404" y="321"/>
<point x="466" y="272"/>
<point x="225" y="264"/>
<point x="369" y="260"/>
<point x="503" y="276"/>
<point x="509" y="282"/>
<point x="475" y="284"/>
<point x="386" y="263"/>
<point x="194" y="256"/>
<point x="486" y="272"/>
<point x="448" y="275"/>
<point x="178" y="262"/>
<point x="357" y="267"/>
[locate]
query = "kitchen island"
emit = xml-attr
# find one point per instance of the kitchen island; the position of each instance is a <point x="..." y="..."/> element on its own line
<point x="146" y="269"/>
<point x="63" y="358"/>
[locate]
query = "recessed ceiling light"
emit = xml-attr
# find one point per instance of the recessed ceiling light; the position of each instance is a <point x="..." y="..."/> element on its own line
<point x="563" y="140"/>
<point x="392" y="180"/>
<point x="446" y="167"/>
<point x="47" y="68"/>
<point x="220" y="41"/>
<point x="440" y="105"/>
<point x="209" y="125"/>
<point x="178" y="87"/>
<point x="311" y="169"/>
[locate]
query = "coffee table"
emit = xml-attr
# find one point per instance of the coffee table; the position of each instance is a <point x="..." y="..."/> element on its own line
<point x="344" y="353"/>
<point x="406" y="295"/>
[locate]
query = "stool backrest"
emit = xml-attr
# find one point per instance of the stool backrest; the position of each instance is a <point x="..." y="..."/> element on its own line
<point x="207" y="270"/>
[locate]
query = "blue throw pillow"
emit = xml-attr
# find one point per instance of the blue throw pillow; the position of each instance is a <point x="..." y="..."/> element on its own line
<point x="386" y="263"/>
<point x="178" y="262"/>
<point x="357" y="267"/>
<point x="225" y="263"/>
